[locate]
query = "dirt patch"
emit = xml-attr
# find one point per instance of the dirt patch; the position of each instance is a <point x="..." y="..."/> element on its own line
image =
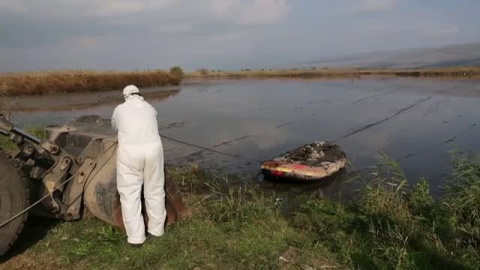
<point x="292" y="259"/>
<point x="47" y="260"/>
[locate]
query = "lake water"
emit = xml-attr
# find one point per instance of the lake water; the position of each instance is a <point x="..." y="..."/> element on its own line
<point x="415" y="121"/>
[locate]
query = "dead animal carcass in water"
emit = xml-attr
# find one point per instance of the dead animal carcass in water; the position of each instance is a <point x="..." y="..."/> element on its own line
<point x="309" y="162"/>
<point x="71" y="174"/>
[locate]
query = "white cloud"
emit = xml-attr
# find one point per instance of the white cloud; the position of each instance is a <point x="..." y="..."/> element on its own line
<point x="108" y="8"/>
<point x="16" y="6"/>
<point x="174" y="28"/>
<point x="256" y="12"/>
<point x="216" y="33"/>
<point x="88" y="41"/>
<point x="82" y="8"/>
<point x="118" y="7"/>
<point x="78" y="8"/>
<point x="228" y="37"/>
<point x="243" y="12"/>
<point x="375" y="6"/>
<point x="446" y="31"/>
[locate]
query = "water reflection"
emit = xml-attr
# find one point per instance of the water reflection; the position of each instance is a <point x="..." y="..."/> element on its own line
<point x="414" y="120"/>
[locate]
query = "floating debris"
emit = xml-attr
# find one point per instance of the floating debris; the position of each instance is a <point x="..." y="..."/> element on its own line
<point x="309" y="162"/>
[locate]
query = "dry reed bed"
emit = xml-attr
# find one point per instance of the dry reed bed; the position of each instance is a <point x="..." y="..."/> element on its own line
<point x="41" y="83"/>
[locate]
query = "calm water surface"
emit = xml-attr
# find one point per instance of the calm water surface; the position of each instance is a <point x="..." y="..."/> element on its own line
<point x="415" y="121"/>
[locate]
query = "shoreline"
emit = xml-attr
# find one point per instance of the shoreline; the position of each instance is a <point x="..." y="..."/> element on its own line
<point x="457" y="73"/>
<point x="77" y="101"/>
<point x="47" y="83"/>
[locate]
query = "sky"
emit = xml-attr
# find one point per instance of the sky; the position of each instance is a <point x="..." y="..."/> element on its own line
<point x="220" y="34"/>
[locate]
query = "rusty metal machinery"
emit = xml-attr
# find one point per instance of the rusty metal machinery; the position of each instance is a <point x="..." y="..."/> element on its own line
<point x="70" y="175"/>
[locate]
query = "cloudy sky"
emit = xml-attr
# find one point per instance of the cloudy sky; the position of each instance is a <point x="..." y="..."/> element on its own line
<point x="220" y="34"/>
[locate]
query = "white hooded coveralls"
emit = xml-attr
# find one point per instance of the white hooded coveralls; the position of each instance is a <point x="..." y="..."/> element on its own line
<point x="139" y="162"/>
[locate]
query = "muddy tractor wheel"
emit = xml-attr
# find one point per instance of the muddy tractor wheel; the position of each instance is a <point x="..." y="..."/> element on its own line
<point x="14" y="198"/>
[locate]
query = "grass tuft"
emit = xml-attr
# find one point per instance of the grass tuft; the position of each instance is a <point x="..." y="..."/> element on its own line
<point x="37" y="131"/>
<point x="392" y="225"/>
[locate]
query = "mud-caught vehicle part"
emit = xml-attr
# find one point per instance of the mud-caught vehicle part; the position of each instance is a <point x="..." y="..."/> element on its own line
<point x="14" y="197"/>
<point x="70" y="175"/>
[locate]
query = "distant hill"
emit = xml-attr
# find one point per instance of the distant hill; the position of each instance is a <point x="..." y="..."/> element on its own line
<point x="448" y="56"/>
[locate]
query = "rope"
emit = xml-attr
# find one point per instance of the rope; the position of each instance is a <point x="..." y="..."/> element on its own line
<point x="37" y="202"/>
<point x="166" y="137"/>
<point x="211" y="150"/>
<point x="103" y="165"/>
<point x="59" y="186"/>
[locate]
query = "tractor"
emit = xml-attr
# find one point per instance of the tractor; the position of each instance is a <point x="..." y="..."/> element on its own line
<point x="70" y="175"/>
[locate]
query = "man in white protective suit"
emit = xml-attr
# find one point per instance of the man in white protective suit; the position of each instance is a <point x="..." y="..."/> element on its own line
<point x="139" y="162"/>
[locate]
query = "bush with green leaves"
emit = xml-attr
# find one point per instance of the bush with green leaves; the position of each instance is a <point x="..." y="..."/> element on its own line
<point x="177" y="72"/>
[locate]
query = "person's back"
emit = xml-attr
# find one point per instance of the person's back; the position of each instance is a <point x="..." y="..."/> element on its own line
<point x="136" y="121"/>
<point x="139" y="163"/>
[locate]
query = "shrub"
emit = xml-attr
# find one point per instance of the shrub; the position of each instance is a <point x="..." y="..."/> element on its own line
<point x="177" y="72"/>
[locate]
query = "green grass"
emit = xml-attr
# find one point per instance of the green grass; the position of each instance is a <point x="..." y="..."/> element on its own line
<point x="8" y="145"/>
<point x="397" y="226"/>
<point x="225" y="233"/>
<point x="392" y="225"/>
